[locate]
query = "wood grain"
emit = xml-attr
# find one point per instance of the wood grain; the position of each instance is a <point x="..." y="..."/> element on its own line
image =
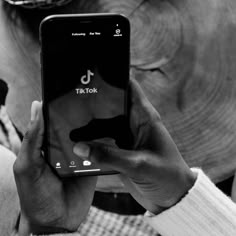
<point x="197" y="87"/>
<point x="182" y="53"/>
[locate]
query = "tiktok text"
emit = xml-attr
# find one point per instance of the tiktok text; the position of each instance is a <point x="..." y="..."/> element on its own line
<point x="86" y="90"/>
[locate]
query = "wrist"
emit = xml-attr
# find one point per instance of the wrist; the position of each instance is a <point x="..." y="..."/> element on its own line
<point x="190" y="181"/>
<point x="187" y="181"/>
<point x="26" y="228"/>
<point x="181" y="189"/>
<point x="174" y="193"/>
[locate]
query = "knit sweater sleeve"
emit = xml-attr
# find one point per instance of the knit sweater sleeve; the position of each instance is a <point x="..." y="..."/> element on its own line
<point x="205" y="211"/>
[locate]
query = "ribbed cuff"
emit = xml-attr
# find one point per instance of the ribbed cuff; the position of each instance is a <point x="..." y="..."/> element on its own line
<point x="204" y="211"/>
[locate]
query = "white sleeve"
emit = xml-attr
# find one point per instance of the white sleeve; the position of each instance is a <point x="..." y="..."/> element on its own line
<point x="204" y="211"/>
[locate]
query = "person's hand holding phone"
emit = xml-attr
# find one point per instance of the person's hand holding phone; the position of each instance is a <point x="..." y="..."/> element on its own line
<point x="154" y="172"/>
<point x="49" y="204"/>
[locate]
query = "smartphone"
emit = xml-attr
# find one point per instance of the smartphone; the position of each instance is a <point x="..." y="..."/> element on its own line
<point x="85" y="76"/>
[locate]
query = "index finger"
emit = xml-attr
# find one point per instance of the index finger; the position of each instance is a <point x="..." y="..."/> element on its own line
<point x="33" y="139"/>
<point x="138" y="100"/>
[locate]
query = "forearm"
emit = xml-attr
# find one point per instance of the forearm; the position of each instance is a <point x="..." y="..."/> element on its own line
<point x="25" y="229"/>
<point x="205" y="210"/>
<point x="60" y="234"/>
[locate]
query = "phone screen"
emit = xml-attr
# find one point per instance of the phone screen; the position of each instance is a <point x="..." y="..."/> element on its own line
<point x="85" y="70"/>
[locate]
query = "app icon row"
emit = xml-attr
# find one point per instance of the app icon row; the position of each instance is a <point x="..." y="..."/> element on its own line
<point x="73" y="164"/>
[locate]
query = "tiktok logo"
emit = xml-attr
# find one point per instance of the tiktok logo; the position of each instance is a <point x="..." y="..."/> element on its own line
<point x="85" y="79"/>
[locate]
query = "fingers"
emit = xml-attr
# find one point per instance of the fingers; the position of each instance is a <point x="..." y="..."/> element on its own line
<point x="137" y="95"/>
<point x="108" y="156"/>
<point x="13" y="138"/>
<point x="30" y="154"/>
<point x="136" y="92"/>
<point x="140" y="105"/>
<point x="146" y="124"/>
<point x="143" y="118"/>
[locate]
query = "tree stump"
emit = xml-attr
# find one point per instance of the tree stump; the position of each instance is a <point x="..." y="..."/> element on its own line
<point x="182" y="53"/>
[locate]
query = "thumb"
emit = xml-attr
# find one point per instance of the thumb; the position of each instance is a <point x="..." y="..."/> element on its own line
<point x="30" y="153"/>
<point x="108" y="156"/>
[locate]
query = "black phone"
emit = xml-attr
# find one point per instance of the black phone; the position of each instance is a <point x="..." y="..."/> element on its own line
<point x="85" y="76"/>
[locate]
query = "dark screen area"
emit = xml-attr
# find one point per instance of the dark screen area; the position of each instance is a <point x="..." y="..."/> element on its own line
<point x="85" y="66"/>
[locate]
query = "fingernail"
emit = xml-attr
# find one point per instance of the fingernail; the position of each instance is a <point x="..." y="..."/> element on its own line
<point x="33" y="112"/>
<point x="82" y="150"/>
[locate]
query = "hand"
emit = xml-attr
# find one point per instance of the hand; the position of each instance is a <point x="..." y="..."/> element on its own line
<point x="49" y="204"/>
<point x="10" y="138"/>
<point x="154" y="172"/>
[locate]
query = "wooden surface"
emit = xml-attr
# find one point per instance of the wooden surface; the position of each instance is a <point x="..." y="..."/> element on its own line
<point x="183" y="53"/>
